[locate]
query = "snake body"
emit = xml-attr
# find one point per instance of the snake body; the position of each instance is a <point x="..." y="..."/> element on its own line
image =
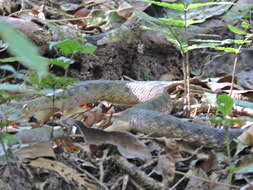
<point x="118" y="92"/>
<point x="149" y="99"/>
<point x="161" y="124"/>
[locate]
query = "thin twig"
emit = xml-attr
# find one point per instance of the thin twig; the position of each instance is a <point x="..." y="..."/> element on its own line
<point x="139" y="176"/>
<point x="206" y="180"/>
<point x="186" y="61"/>
<point x="178" y="182"/>
<point x="136" y="185"/>
<point x="92" y="177"/>
<point x="236" y="61"/>
<point x="101" y="165"/>
<point x="125" y="182"/>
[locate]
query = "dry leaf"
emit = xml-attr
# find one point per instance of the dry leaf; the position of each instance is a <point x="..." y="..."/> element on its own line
<point x="206" y="162"/>
<point x="92" y="118"/>
<point x="197" y="184"/>
<point x="67" y="143"/>
<point x="70" y="175"/>
<point x="166" y="167"/>
<point x="43" y="149"/>
<point x="127" y="144"/>
<point x="219" y="177"/>
<point x="167" y="163"/>
<point x="125" y="10"/>
<point x="43" y="115"/>
<point x="247" y="137"/>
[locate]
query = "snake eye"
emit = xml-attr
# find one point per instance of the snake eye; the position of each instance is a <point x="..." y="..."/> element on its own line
<point x="33" y="119"/>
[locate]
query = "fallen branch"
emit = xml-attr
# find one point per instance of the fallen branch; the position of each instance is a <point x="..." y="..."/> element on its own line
<point x="139" y="176"/>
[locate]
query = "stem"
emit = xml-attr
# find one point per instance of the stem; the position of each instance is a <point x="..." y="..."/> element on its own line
<point x="228" y="148"/>
<point x="53" y="105"/>
<point x="186" y="64"/>
<point x="236" y="61"/>
<point x="207" y="180"/>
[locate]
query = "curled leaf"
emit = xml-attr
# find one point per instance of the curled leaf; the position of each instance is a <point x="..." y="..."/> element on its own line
<point x="128" y="145"/>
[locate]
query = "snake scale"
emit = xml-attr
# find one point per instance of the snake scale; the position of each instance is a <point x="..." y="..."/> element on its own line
<point x="149" y="100"/>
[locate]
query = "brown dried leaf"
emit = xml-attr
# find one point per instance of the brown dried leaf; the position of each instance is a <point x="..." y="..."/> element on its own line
<point x="166" y="163"/>
<point x="35" y="151"/>
<point x="125" y="10"/>
<point x="197" y="184"/>
<point x="67" y="143"/>
<point x="245" y="164"/>
<point x="70" y="175"/>
<point x="245" y="79"/>
<point x="43" y="115"/>
<point x="166" y="167"/>
<point x="207" y="163"/>
<point x="127" y="144"/>
<point x="92" y="118"/>
<point x="171" y="147"/>
<point x="247" y="137"/>
<point x="219" y="177"/>
<point x="96" y="114"/>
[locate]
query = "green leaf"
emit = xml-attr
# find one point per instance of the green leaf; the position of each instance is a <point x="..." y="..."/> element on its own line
<point x="245" y="25"/>
<point x="67" y="46"/>
<point x="177" y="6"/>
<point x="149" y="19"/>
<point x="198" y="5"/>
<point x="232" y="41"/>
<point x="222" y="42"/>
<point x="200" y="46"/>
<point x="62" y="61"/>
<point x="225" y="104"/>
<point x="9" y="60"/>
<point x="7" y="138"/>
<point x="168" y="34"/>
<point x="51" y="81"/>
<point x="160" y="26"/>
<point x="176" y="22"/>
<point x="191" y="22"/>
<point x="243" y="169"/>
<point x="89" y="49"/>
<point x="228" y="122"/>
<point x="13" y="97"/>
<point x="73" y="46"/>
<point x="21" y="47"/>
<point x="226" y="49"/>
<point x="215" y="44"/>
<point x="216" y="120"/>
<point x="236" y="30"/>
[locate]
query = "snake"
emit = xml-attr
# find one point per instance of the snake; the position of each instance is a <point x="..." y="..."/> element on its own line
<point x="149" y="111"/>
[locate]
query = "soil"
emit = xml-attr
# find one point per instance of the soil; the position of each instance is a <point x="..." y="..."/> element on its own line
<point x="137" y="61"/>
<point x="117" y="61"/>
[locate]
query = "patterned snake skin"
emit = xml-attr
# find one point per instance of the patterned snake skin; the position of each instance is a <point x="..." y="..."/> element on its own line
<point x="149" y="99"/>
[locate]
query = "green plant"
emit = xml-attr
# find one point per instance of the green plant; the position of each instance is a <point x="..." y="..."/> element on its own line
<point x="182" y="22"/>
<point x="224" y="105"/>
<point x="70" y="47"/>
<point x="39" y="81"/>
<point x="27" y="54"/>
<point x="22" y="48"/>
<point x="143" y="76"/>
<point x="247" y="34"/>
